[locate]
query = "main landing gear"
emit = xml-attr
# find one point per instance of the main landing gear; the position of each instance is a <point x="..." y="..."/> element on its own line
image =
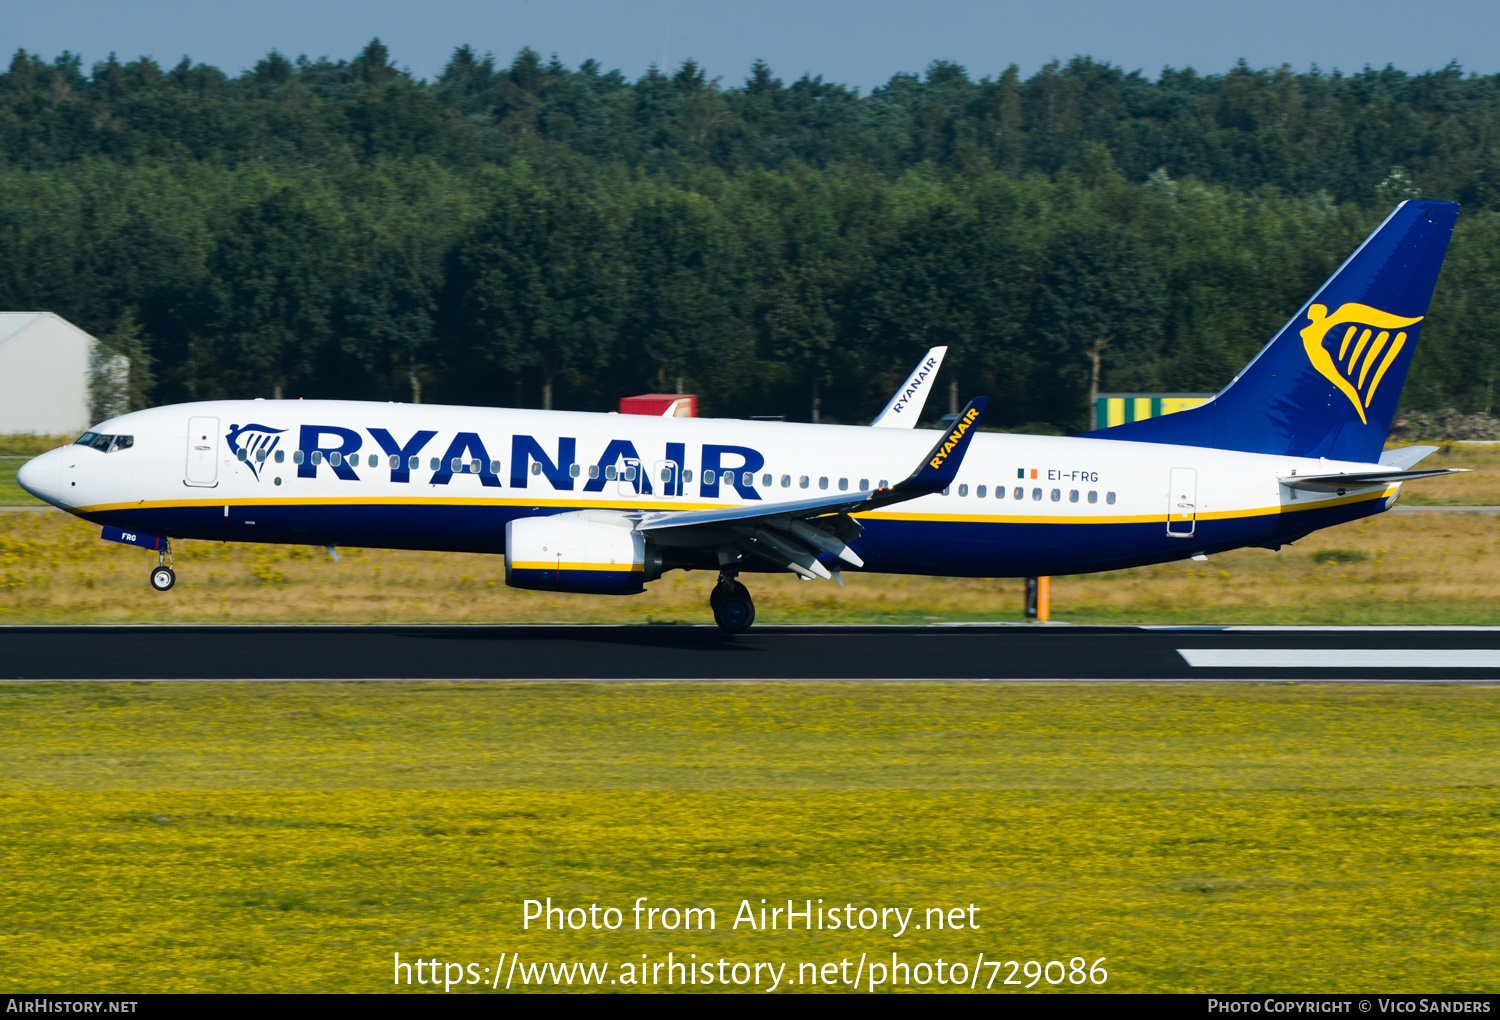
<point x="734" y="610"/>
<point x="163" y="576"/>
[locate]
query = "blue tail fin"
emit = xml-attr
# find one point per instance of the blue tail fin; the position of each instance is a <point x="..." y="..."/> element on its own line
<point x="1328" y="384"/>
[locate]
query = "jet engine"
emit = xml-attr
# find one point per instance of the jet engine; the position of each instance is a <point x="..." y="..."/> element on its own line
<point x="593" y="552"/>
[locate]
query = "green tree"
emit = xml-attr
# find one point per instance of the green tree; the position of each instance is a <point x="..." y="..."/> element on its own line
<point x="1097" y="296"/>
<point x="273" y="279"/>
<point x="540" y="285"/>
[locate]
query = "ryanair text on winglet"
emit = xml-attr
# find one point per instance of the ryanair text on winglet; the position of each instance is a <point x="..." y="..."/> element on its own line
<point x="959" y="428"/>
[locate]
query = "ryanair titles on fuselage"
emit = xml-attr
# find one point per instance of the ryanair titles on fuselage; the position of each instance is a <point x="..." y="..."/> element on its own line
<point x="340" y="448"/>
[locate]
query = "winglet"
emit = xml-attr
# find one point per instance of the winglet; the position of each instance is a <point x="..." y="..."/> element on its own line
<point x="941" y="466"/>
<point x="905" y="407"/>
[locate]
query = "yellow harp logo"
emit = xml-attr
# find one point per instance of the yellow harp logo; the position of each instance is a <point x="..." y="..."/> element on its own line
<point x="1365" y="349"/>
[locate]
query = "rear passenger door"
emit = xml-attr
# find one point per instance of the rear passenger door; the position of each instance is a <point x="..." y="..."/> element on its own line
<point x="1182" y="503"/>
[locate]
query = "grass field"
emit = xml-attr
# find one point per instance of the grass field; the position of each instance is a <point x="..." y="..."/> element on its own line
<point x="230" y="837"/>
<point x="1391" y="569"/>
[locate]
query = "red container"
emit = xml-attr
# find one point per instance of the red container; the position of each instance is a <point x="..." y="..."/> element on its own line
<point x="662" y="405"/>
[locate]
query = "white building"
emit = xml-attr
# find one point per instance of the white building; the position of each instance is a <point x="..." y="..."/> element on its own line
<point x="46" y="367"/>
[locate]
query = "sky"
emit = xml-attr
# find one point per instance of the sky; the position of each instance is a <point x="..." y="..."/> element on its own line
<point x="860" y="43"/>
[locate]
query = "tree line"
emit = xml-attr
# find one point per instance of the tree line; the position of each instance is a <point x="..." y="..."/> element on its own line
<point x="535" y="235"/>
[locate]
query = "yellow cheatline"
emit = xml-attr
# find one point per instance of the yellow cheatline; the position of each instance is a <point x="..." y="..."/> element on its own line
<point x="390" y="501"/>
<point x="563" y="565"/>
<point x="885" y="515"/>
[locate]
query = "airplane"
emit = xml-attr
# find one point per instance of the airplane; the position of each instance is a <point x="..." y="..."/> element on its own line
<point x="607" y="503"/>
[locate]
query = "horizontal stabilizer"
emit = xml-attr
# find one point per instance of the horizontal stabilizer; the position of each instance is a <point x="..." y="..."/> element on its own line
<point x="1406" y="456"/>
<point x="1362" y="479"/>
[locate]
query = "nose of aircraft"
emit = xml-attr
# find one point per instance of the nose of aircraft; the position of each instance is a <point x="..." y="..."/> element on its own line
<point x="42" y="476"/>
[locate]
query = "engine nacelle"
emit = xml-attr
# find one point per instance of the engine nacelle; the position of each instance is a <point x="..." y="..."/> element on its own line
<point x="594" y="552"/>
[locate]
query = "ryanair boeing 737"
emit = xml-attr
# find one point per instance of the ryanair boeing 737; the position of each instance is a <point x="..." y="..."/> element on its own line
<point x="606" y="503"/>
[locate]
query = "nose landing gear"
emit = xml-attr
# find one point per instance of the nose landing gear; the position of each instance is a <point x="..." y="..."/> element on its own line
<point x="163" y="576"/>
<point x="734" y="610"/>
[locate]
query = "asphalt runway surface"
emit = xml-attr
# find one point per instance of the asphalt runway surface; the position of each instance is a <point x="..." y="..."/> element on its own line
<point x="986" y="652"/>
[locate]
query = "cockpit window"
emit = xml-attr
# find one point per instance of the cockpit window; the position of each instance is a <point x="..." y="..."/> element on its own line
<point x="105" y="444"/>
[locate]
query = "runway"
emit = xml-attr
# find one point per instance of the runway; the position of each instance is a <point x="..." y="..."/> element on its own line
<point x="970" y="653"/>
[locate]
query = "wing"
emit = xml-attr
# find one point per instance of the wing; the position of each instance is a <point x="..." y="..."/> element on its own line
<point x="905" y="407"/>
<point x="792" y="535"/>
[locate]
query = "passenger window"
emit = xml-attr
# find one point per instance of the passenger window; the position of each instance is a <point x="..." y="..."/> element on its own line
<point x="1109" y="497"/>
<point x="630" y="474"/>
<point x="477" y="466"/>
<point x="1093" y="496"/>
<point x="593" y="470"/>
<point x="413" y="463"/>
<point x="864" y="485"/>
<point x="456" y="466"/>
<point x="280" y="456"/>
<point x="786" y="481"/>
<point x="687" y="477"/>
<point x="373" y="461"/>
<point x="747" y="479"/>
<point x="317" y="457"/>
<point x="242" y="455"/>
<point x="395" y="462"/>
<point x="843" y="485"/>
<point x="823" y="482"/>
<point x="260" y="456"/>
<point x="947" y="490"/>
<point x="609" y="473"/>
<point x="536" y="466"/>
<point x="765" y="480"/>
<point x="963" y="490"/>
<point x="802" y="482"/>
<point x="494" y="467"/>
<point x="1056" y="495"/>
<point x="666" y="474"/>
<point x="1072" y="495"/>
<point x="335" y="458"/>
<point x="126" y="442"/>
<point x="884" y="484"/>
<point x="999" y="492"/>
<point x="574" y="470"/>
<point x="980" y="492"/>
<point x="709" y="477"/>
<point x="1036" y="493"/>
<point x="297" y="457"/>
<point x="1020" y="493"/>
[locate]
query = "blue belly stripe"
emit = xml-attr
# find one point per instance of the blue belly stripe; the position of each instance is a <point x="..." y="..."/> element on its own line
<point x="898" y="546"/>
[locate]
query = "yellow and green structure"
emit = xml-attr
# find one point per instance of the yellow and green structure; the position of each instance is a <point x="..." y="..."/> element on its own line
<point x="1119" y="408"/>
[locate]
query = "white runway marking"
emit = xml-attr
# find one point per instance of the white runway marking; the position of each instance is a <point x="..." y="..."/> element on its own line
<point x="1341" y="658"/>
